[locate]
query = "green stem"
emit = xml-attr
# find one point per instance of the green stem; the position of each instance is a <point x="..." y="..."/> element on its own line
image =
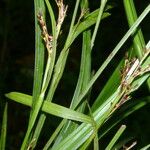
<point x="32" y="121"/>
<point x="45" y="84"/>
<point x="102" y="6"/>
<point x="74" y="17"/>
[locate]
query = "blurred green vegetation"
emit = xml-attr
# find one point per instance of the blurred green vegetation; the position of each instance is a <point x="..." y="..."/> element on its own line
<point x="17" y="65"/>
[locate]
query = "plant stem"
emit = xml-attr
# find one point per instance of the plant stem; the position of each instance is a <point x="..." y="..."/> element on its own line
<point x="102" y="6"/>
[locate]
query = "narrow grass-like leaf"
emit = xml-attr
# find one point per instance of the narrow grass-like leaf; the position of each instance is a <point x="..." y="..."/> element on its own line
<point x="88" y="141"/>
<point x="145" y="147"/>
<point x="138" y="39"/>
<point x="38" y="128"/>
<point x="106" y="92"/>
<point x="31" y="122"/>
<point x="39" y="53"/>
<point x="51" y="108"/>
<point x="75" y="140"/>
<point x="85" y="65"/>
<point x="116" y="137"/>
<point x="39" y="65"/>
<point x="53" y="136"/>
<point x="93" y="136"/>
<point x="96" y="143"/>
<point x="3" y="129"/>
<point x="85" y="73"/>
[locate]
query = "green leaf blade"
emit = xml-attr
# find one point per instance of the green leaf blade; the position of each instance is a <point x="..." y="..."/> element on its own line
<point x="51" y="108"/>
<point x="4" y="129"/>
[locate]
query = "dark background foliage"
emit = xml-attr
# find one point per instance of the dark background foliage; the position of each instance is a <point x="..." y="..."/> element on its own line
<point x="17" y="65"/>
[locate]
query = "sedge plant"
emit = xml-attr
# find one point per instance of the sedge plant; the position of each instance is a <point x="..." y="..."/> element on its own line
<point x="82" y="124"/>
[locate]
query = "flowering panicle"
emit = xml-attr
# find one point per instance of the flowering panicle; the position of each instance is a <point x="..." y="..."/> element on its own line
<point x="46" y="37"/>
<point x="129" y="73"/>
<point x="62" y="9"/>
